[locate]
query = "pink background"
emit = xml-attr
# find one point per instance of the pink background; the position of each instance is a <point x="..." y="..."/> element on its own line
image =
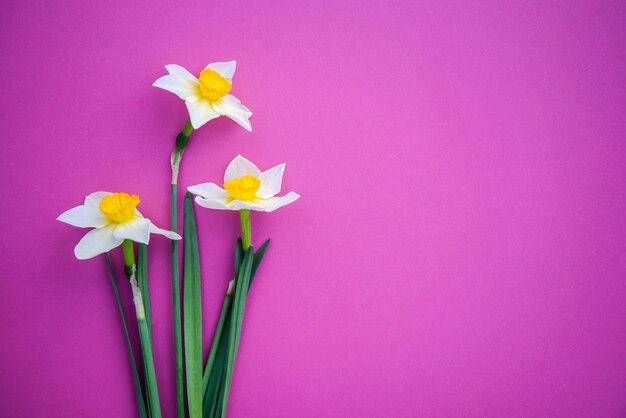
<point x="458" y="250"/>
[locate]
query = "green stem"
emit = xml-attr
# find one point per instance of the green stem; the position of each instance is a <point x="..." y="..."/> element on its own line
<point x="129" y="258"/>
<point x="148" y="357"/>
<point x="141" y="403"/>
<point x="181" y="142"/>
<point x="152" y="390"/>
<point x="246" y="230"/>
<point x="142" y="280"/>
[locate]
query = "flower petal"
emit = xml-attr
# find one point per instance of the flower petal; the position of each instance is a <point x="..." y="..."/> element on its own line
<point x="239" y="167"/>
<point x="267" y="205"/>
<point x="231" y="107"/>
<point x="95" y="242"/>
<point x="225" y="69"/>
<point x="180" y="82"/>
<point x="209" y="191"/>
<point x="219" y="204"/>
<point x="200" y="112"/>
<point x="271" y="181"/>
<point x="137" y="230"/>
<point x="95" y="198"/>
<point x="181" y="72"/>
<point x="169" y="234"/>
<point x="84" y="217"/>
<point x="211" y="196"/>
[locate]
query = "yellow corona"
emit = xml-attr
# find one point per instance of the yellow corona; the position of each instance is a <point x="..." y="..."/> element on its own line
<point x="119" y="207"/>
<point x="243" y="188"/>
<point x="213" y="86"/>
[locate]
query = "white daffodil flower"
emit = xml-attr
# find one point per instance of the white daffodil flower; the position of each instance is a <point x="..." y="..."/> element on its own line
<point x="245" y="187"/>
<point x="206" y="97"/>
<point x="115" y="218"/>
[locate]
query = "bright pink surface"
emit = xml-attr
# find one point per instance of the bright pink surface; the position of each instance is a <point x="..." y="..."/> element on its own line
<point x="459" y="246"/>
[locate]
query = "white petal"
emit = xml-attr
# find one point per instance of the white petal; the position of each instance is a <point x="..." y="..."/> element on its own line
<point x="95" y="198"/>
<point x="169" y="234"/>
<point x="178" y="86"/>
<point x="180" y="82"/>
<point x="271" y="181"/>
<point x="239" y="204"/>
<point x="209" y="191"/>
<point x="231" y="107"/>
<point x="137" y="230"/>
<point x="200" y="112"/>
<point x="268" y="205"/>
<point x="225" y="69"/>
<point x="84" y="217"/>
<point x="181" y="72"/>
<point x="239" y="167"/>
<point x="95" y="242"/>
<point x="219" y="204"/>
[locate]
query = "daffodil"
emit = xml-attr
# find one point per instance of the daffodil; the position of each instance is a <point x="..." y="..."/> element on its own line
<point x="115" y="218"/>
<point x="245" y="187"/>
<point x="207" y="97"/>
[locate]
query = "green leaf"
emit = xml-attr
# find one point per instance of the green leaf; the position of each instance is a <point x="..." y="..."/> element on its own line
<point x="214" y="393"/>
<point x="239" y="303"/>
<point x="192" y="312"/>
<point x="258" y="257"/>
<point x="213" y="390"/>
<point x="238" y="255"/>
<point x="216" y="341"/>
<point x="178" y="336"/>
<point x="141" y="404"/>
<point x="220" y="323"/>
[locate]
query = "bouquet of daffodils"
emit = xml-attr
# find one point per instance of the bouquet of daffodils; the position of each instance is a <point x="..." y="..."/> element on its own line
<point x="201" y="389"/>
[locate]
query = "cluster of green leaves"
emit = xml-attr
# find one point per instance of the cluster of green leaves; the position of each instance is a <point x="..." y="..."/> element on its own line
<point x="219" y="368"/>
<point x="207" y="393"/>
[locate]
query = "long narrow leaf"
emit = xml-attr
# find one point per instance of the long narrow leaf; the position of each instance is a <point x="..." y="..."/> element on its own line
<point x="214" y="392"/>
<point x="214" y="375"/>
<point x="238" y="256"/>
<point x="141" y="404"/>
<point x="258" y="257"/>
<point x="192" y="310"/>
<point x="216" y="341"/>
<point x="246" y="285"/>
<point x="220" y="323"/>
<point x="178" y="336"/>
<point x="239" y="304"/>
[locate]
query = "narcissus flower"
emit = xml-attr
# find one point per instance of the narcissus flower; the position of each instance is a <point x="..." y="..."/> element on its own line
<point x="245" y="187"/>
<point x="206" y="97"/>
<point x="115" y="218"/>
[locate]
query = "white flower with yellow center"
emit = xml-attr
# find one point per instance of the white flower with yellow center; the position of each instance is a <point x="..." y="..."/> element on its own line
<point x="115" y="218"/>
<point x="206" y="97"/>
<point x="245" y="187"/>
